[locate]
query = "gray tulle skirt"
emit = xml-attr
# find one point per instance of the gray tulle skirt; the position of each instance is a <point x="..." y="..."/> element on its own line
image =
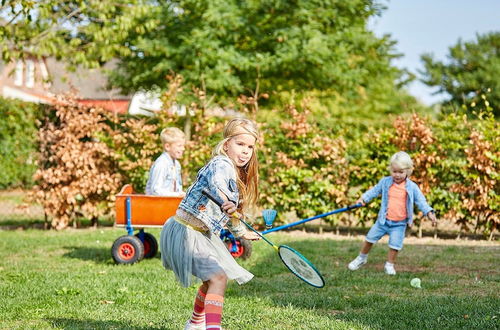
<point x="191" y="253"/>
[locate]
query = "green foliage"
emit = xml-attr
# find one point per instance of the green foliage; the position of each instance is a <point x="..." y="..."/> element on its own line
<point x="18" y="131"/>
<point x="135" y="143"/>
<point x="368" y="162"/>
<point x="303" y="169"/>
<point x="472" y="69"/>
<point x="252" y="47"/>
<point x="84" y="32"/>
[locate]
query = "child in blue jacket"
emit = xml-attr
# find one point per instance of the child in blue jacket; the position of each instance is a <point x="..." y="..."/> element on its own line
<point x="399" y="194"/>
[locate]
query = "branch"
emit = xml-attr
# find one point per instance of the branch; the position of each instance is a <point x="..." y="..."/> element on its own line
<point x="46" y="32"/>
<point x="13" y="18"/>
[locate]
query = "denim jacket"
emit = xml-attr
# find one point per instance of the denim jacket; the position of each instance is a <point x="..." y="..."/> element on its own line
<point x="218" y="175"/>
<point x="414" y="196"/>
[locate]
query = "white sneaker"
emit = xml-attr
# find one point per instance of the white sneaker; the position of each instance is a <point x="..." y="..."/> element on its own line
<point x="389" y="269"/>
<point x="356" y="263"/>
<point x="192" y="326"/>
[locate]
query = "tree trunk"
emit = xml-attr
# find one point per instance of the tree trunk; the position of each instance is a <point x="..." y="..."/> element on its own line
<point x="459" y="232"/>
<point x="187" y="126"/>
<point x="46" y="224"/>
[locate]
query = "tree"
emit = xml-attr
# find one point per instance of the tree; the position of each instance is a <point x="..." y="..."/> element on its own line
<point x="80" y="32"/>
<point x="226" y="48"/>
<point x="251" y="47"/>
<point x="472" y="70"/>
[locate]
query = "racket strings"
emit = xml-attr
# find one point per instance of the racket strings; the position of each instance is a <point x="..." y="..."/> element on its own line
<point x="300" y="266"/>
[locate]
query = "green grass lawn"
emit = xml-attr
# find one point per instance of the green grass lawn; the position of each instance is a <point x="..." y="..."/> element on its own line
<point x="68" y="280"/>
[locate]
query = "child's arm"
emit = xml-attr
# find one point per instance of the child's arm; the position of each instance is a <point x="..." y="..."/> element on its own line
<point x="371" y="193"/>
<point x="235" y="226"/>
<point x="424" y="206"/>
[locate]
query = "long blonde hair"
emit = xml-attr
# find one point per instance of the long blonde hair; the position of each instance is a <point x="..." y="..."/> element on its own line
<point x="247" y="176"/>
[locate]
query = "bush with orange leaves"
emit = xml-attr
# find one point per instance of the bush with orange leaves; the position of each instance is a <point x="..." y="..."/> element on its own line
<point x="456" y="163"/>
<point x="480" y="189"/>
<point x="76" y="170"/>
<point x="469" y="170"/>
<point x="86" y="157"/>
<point x="304" y="169"/>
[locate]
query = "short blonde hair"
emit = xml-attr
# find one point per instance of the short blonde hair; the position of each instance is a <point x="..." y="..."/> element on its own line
<point x="171" y="135"/>
<point x="403" y="161"/>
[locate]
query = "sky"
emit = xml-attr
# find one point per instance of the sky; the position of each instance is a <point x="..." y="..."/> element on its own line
<point x="432" y="26"/>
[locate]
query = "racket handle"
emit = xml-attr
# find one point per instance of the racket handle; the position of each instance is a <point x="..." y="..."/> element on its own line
<point x="217" y="200"/>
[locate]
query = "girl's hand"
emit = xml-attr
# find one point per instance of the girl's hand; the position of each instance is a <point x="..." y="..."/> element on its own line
<point x="250" y="235"/>
<point x="228" y="207"/>
<point x="410" y="225"/>
<point x="432" y="216"/>
<point x="360" y="201"/>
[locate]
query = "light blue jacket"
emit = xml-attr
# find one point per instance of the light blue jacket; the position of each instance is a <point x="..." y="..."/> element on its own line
<point x="414" y="196"/>
<point x="165" y="177"/>
<point x="218" y="175"/>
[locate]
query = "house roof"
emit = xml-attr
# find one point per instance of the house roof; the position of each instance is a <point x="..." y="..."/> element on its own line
<point x="89" y="83"/>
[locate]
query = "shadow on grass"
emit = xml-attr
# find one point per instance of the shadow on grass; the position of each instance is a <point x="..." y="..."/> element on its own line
<point x="22" y="223"/>
<point x="94" y="324"/>
<point x="98" y="255"/>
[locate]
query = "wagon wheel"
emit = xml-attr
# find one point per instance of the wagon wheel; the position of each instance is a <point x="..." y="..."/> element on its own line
<point x="243" y="248"/>
<point x="127" y="250"/>
<point x="150" y="244"/>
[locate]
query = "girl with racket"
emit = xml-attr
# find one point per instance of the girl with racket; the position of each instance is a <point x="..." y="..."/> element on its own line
<point x="189" y="241"/>
<point x="399" y="194"/>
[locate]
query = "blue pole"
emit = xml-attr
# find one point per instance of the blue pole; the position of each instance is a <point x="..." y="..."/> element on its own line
<point x="312" y="218"/>
<point x="128" y="214"/>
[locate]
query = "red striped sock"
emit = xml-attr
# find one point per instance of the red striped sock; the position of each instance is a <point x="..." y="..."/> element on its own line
<point x="198" y="316"/>
<point x="213" y="311"/>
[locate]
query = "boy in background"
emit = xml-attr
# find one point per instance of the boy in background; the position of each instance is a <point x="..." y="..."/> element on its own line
<point x="165" y="174"/>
